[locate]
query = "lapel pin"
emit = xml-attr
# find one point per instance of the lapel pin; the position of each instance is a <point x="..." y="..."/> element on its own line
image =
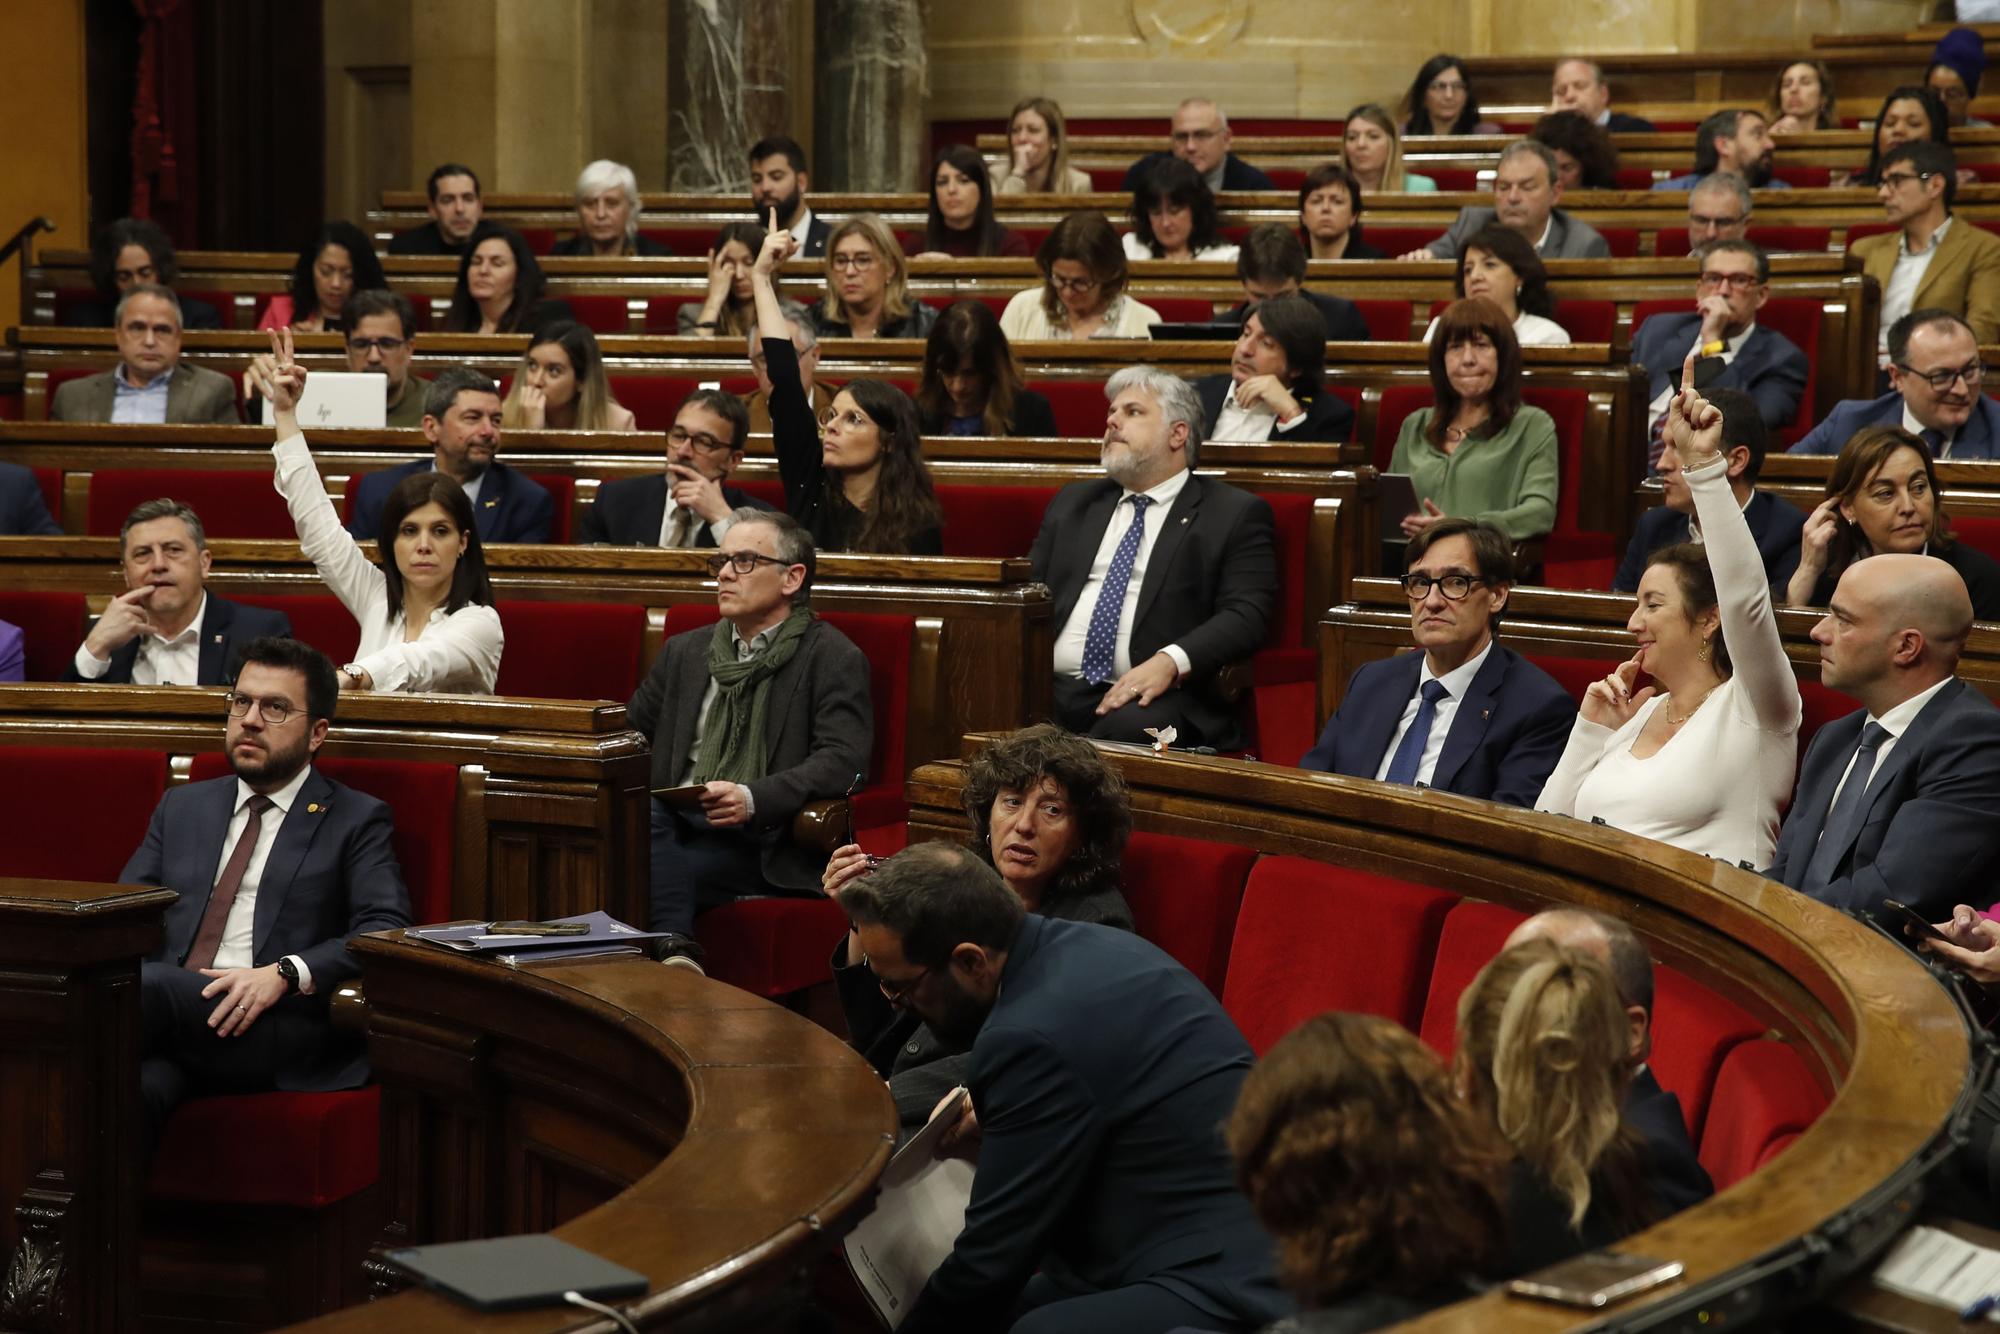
<point x="312" y="808"/>
<point x="491" y="503"/>
<point x="1486" y="715"/>
<point x="218" y="639"/>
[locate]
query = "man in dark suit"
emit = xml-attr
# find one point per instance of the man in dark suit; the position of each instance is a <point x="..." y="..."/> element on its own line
<point x="278" y="867"/>
<point x="1100" y="1076"/>
<point x="704" y="446"/>
<point x="1579" y="85"/>
<point x="1774" y="523"/>
<point x="779" y="179"/>
<point x="1201" y="138"/>
<point x="1465" y="714"/>
<point x="1160" y="578"/>
<point x="1931" y="355"/>
<point x="167" y="629"/>
<point x="763" y="712"/>
<point x="151" y="385"/>
<point x="1527" y="186"/>
<point x="462" y="423"/>
<point x="1272" y="262"/>
<point x="1898" y="800"/>
<point x="1275" y="388"/>
<point x="455" y="209"/>
<point x="1736" y="351"/>
<point x="23" y="511"/>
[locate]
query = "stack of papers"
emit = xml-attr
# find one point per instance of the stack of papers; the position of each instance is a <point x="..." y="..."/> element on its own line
<point x="918" y="1216"/>
<point x="607" y="935"/>
<point x="1931" y="1265"/>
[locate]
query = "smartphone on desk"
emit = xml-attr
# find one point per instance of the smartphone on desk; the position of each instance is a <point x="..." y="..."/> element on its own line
<point x="1903" y="915"/>
<point x="1596" y="1279"/>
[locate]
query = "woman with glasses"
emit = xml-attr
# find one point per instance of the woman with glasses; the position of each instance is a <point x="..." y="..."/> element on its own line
<point x="1704" y="756"/>
<point x="1441" y="100"/>
<point x="972" y="384"/>
<point x="1083" y="287"/>
<point x="1174" y="217"/>
<point x="426" y="612"/>
<point x="856" y="481"/>
<point x="867" y="285"/>
<point x="561" y="386"/>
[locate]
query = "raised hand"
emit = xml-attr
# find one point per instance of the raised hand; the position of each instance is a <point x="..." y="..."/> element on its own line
<point x="779" y="246"/>
<point x="1694" y="425"/>
<point x="1816" y="538"/>
<point x="123" y="621"/>
<point x="277" y="378"/>
<point x="847" y="864"/>
<point x="1611" y="702"/>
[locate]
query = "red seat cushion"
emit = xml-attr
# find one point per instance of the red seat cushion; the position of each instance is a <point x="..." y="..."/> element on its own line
<point x="769" y="490"/>
<point x="1981" y="534"/>
<point x="231" y="504"/>
<point x="1398" y="402"/>
<point x="1570" y="409"/>
<point x="1181" y="309"/>
<point x="1694" y="1029"/>
<point x="1372" y="939"/>
<point x="1461" y="179"/>
<point x="688" y="242"/>
<point x="1803" y="177"/>
<point x="771" y="946"/>
<point x="1764" y="1094"/>
<point x="50" y="480"/>
<point x="1285" y="671"/>
<point x="72" y="839"/>
<point x="1184" y="894"/>
<point x="946" y="300"/>
<point x="653" y="399"/>
<point x="1079" y="405"/>
<point x="1473" y="933"/>
<point x="571" y="650"/>
<point x="600" y="314"/>
<point x="1587" y="321"/>
<point x="317" y="619"/>
<point x="1388" y="321"/>
<point x="300" y="1150"/>
<point x="1574" y="674"/>
<point x="1394" y="241"/>
<point x="1624" y="241"/>
<point x="51" y="627"/>
<point x="1822" y="706"/>
<point x="992" y="520"/>
<point x="561" y="489"/>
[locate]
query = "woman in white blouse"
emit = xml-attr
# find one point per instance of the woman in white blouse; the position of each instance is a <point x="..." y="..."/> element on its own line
<point x="426" y="615"/>
<point x="1705" y="758"/>
<point x="1083" y="287"/>
<point x="1499" y="264"/>
<point x="1174" y="217"/>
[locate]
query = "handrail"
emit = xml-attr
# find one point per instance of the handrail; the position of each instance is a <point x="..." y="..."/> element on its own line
<point x="21" y="238"/>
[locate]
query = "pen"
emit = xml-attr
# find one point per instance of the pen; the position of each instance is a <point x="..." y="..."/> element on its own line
<point x="1979" y="1309"/>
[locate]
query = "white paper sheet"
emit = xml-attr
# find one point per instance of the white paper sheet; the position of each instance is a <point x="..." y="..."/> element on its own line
<point x="918" y="1216"/>
<point x="1931" y="1265"/>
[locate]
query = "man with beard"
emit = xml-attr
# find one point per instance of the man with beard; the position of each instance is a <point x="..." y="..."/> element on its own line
<point x="1160" y="578"/>
<point x="1738" y="142"/>
<point x="1934" y="393"/>
<point x="277" y="868"/>
<point x="462" y="422"/>
<point x="691" y="503"/>
<point x="1101" y="1073"/>
<point x="779" y="179"/>
<point x="1932" y="260"/>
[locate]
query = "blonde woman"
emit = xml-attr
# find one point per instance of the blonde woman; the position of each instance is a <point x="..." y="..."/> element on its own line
<point x="1373" y="151"/>
<point x="868" y="285"/>
<point x="560" y="385"/>
<point x="1038" y="153"/>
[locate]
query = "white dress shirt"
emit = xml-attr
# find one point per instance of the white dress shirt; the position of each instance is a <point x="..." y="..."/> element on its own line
<point x="1069" y="644"/>
<point x="1455" y="682"/>
<point x="1250" y="425"/>
<point x="1900" y="292"/>
<point x="161" y="661"/>
<point x="1730" y="347"/>
<point x="1895" y="722"/>
<point x="239" y="930"/>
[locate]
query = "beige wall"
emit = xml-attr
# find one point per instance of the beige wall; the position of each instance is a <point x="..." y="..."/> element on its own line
<point x="42" y="69"/>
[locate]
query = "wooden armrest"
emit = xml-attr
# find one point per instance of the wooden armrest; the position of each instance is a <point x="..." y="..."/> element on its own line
<point x="347" y="1011"/>
<point x="822" y="825"/>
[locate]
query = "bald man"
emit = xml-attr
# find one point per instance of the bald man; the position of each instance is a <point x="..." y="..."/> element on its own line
<point x="1200" y="135"/>
<point x="1900" y="800"/>
<point x="1673" y="1169"/>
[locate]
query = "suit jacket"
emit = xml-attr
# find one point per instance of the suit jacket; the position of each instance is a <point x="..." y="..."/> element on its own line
<point x="1929" y="837"/>
<point x="1979" y="438"/>
<point x="510" y="508"/>
<point x="226" y="630"/>
<point x="629" y="512"/>
<point x="1328" y="417"/>
<point x="1211" y="579"/>
<point x="194" y="397"/>
<point x="1505" y="738"/>
<point x="1236" y="173"/>
<point x="820" y="732"/>
<point x="816" y="234"/>
<point x="1344" y="321"/>
<point x="1673" y="1169"/>
<point x="1569" y="238"/>
<point x="1775" y="524"/>
<point x="1620" y="123"/>
<point x="1101" y="1159"/>
<point x="1963" y="277"/>
<point x="13" y="652"/>
<point x="1769" y="366"/>
<point x="423" y="240"/>
<point x="331" y="875"/>
<point x="23" y="512"/>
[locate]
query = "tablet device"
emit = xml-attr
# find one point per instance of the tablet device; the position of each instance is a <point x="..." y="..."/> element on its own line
<point x="508" y="1273"/>
<point x="682" y="798"/>
<point x="340" y="398"/>
<point x="1395" y="497"/>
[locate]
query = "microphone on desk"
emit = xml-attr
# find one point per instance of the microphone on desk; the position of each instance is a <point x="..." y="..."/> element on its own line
<point x="679" y="951"/>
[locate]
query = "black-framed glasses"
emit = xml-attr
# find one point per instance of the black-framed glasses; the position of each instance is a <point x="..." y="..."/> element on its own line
<point x="858" y="263"/>
<point x="1455" y="587"/>
<point x="742" y="562"/>
<point x="1742" y="282"/>
<point x="897" y="992"/>
<point x="386" y="346"/>
<point x="1895" y="179"/>
<point x="275" y="712"/>
<point x="1971" y="372"/>
<point x="702" y="441"/>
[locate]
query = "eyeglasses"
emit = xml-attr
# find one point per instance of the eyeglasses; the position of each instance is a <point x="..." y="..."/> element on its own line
<point x="1455" y="587"/>
<point x="1742" y="282"/>
<point x="275" y="712"/>
<point x="896" y="992"/>
<point x="1194" y="136"/>
<point x="703" y="442"/>
<point x="1941" y="380"/>
<point x="385" y="346"/>
<point x="742" y="562"/>
<point x="1077" y="285"/>
<point x="1894" y="180"/>
<point x="855" y="263"/>
<point x="1447" y="85"/>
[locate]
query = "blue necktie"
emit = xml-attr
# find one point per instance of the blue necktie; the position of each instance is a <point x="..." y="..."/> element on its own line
<point x="1410" y="751"/>
<point x="1934" y="441"/>
<point x="1100" y="642"/>
<point x="1837" y="835"/>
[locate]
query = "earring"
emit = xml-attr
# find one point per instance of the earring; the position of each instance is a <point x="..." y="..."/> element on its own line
<point x="1702" y="654"/>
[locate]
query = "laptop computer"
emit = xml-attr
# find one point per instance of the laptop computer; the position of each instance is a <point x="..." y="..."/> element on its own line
<point x="340" y="398"/>
<point x="509" y="1273"/>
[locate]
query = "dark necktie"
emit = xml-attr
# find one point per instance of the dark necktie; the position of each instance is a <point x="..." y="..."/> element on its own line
<point x="1934" y="441"/>
<point x="216" y="916"/>
<point x="1837" y="835"/>
<point x="1100" y="641"/>
<point x="1410" y="751"/>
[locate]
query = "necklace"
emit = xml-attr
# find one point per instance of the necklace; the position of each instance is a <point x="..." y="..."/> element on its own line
<point x="1667" y="707"/>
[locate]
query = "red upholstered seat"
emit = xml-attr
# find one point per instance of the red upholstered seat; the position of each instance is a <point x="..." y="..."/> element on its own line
<point x="1388" y="321"/>
<point x="771" y="946"/>
<point x="1624" y="241"/>
<point x="653" y="399"/>
<point x="1981" y="534"/>
<point x="1635" y="178"/>
<point x="1694" y="1030"/>
<point x="769" y="490"/>
<point x="301" y="1150"/>
<point x="1284" y="695"/>
<point x="1861" y="231"/>
<point x="1803" y="177"/>
<point x="1178" y="310"/>
<point x="1587" y="321"/>
<point x="1473" y="933"/>
<point x="600" y="314"/>
<point x="1184" y="894"/>
<point x="1453" y="178"/>
<point x="1569" y="409"/>
<point x="51" y="627"/>
<point x="1574" y="674"/>
<point x="571" y="650"/>
<point x="1312" y="937"/>
<point x="1822" y="706"/>
<point x="541" y="240"/>
<point x="992" y="520"/>
<point x="1394" y="241"/>
<point x="1079" y="405"/>
<point x="563" y="490"/>
<point x="50" y="482"/>
<point x="1398" y="402"/>
<point x="318" y="619"/>
<point x="57" y="837"/>
<point x="663" y="314"/>
<point x="1286" y="178"/>
<point x="995" y="302"/>
<point x="62" y="375"/>
<point x="690" y="242"/>
<point x="231" y="504"/>
<point x="1764" y="1094"/>
<point x="1105" y="180"/>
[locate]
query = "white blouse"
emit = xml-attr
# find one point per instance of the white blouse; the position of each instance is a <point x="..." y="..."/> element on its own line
<point x="1718" y="785"/>
<point x="457" y="653"/>
<point x="1025" y="318"/>
<point x="1529" y="331"/>
<point x="1137" y="249"/>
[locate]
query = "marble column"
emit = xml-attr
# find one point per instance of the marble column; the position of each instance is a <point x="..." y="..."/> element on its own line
<point x="728" y="86"/>
<point x="872" y="69"/>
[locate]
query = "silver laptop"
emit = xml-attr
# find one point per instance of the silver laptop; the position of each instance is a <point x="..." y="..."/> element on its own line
<point x="340" y="398"/>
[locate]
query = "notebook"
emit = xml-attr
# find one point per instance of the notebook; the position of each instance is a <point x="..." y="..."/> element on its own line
<point x="508" y="1273"/>
<point x="340" y="398"/>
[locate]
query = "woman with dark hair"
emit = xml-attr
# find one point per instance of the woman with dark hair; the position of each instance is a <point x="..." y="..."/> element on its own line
<point x="1385" y="1192"/>
<point x="128" y="251"/>
<point x="729" y="310"/>
<point x="560" y="385"/>
<point x="1882" y="495"/>
<point x="426" y="612"/>
<point x="1910" y="112"/>
<point x="1038" y="144"/>
<point x="1586" y="159"/>
<point x="500" y="286"/>
<point x="1704" y="758"/>
<point x="1372" y="151"/>
<point x="1802" y="98"/>
<point x="336" y="264"/>
<point x="1498" y="265"/>
<point x="961" y="223"/>
<point x="1051" y="817"/>
<point x="1478" y="452"/>
<point x="971" y="383"/>
<point x="1441" y="100"/>
<point x="1173" y="216"/>
<point x="1083" y="287"/>
<point x="1275" y="388"/>
<point x="858" y="481"/>
<point x="1330" y="215"/>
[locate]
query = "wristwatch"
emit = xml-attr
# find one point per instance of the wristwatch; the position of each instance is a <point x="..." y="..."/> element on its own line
<point x="290" y="972"/>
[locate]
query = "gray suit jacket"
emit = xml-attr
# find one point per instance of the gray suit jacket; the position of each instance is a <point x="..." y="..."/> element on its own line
<point x="1569" y="238"/>
<point x="194" y="397"/>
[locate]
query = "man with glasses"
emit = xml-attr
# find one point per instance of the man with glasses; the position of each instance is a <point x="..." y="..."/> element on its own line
<point x="691" y="504"/>
<point x="1934" y="393"/>
<point x="750" y="719"/>
<point x="1466" y="714"/>
<point x="278" y="867"/>
<point x="1932" y="262"/>
<point x="150" y="385"/>
<point x="1718" y="210"/>
<point x="806" y="344"/>
<point x="382" y="337"/>
<point x="1527" y="186"/>
<point x="1201" y="138"/>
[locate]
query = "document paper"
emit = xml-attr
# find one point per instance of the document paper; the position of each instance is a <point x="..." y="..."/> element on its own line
<point x="1931" y="1265"/>
<point x="918" y="1216"/>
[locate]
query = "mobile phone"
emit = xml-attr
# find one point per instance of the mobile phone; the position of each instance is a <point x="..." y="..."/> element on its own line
<point x="538" y="929"/>
<point x="1596" y="1279"/>
<point x="1912" y="920"/>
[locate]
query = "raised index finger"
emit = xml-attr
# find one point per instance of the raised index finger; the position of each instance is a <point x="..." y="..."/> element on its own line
<point x="774" y="218"/>
<point x="1687" y="370"/>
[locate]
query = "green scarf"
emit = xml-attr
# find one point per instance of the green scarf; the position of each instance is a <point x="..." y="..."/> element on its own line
<point x="733" y="731"/>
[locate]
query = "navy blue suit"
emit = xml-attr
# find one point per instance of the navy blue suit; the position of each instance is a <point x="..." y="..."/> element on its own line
<point x="510" y="508"/>
<point x="1929" y="837"/>
<point x="23" y="512"/>
<point x="1329" y="419"/>
<point x="1101" y="1162"/>
<point x="1673" y="1169"/>
<point x="1775" y="525"/>
<point x="1504" y="742"/>
<point x="1769" y="366"/>
<point x="1979" y="438"/>
<point x="226" y="630"/>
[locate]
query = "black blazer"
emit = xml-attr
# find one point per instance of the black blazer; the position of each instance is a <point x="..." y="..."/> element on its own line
<point x="1620" y="123"/>
<point x="1979" y="570"/>
<point x="226" y="630"/>
<point x="578" y="247"/>
<point x="23" y="512"/>
<point x="1101" y="1159"/>
<point x="1344" y="323"/>
<point x="1211" y="579"/>
<point x="1673" y="1169"/>
<point x="1930" y="837"/>
<point x="816" y="235"/>
<point x="629" y="512"/>
<point x="1033" y="417"/>
<point x="423" y="240"/>
<point x="1236" y="173"/>
<point x="1328" y="417"/>
<point x="510" y="508"/>
<point x="1775" y="525"/>
<point x="1505" y="738"/>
